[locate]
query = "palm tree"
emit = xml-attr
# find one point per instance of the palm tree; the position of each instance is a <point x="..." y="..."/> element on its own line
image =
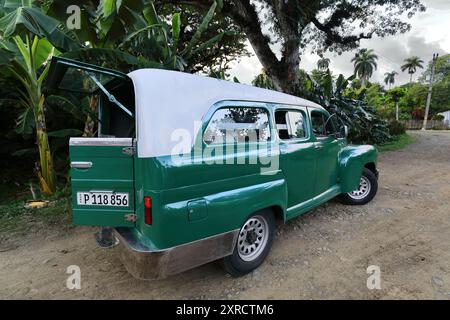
<point x="365" y="63"/>
<point x="411" y="64"/>
<point x="389" y="78"/>
<point x="323" y="64"/>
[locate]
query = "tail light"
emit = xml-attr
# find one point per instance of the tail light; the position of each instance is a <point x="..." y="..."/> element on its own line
<point x="148" y="210"/>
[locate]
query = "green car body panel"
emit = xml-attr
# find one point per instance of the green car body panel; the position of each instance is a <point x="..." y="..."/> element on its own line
<point x="193" y="200"/>
<point x="200" y="201"/>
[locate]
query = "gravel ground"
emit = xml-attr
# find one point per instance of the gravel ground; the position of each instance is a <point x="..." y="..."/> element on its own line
<point x="321" y="255"/>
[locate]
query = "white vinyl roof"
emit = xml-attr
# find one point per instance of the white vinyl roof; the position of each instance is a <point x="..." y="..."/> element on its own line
<point x="170" y="104"/>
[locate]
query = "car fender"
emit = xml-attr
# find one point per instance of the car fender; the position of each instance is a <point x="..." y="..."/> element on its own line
<point x="352" y="160"/>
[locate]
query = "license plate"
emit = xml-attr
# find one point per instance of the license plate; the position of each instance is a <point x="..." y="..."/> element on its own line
<point x="103" y="199"/>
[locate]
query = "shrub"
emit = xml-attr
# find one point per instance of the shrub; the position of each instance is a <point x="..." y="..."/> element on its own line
<point x="365" y="126"/>
<point x="418" y="114"/>
<point x="438" y="117"/>
<point x="396" y="128"/>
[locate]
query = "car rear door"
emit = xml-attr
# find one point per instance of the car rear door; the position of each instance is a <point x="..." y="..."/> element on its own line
<point x="102" y="168"/>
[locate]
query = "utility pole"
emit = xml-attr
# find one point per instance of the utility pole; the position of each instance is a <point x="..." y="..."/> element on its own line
<point x="430" y="90"/>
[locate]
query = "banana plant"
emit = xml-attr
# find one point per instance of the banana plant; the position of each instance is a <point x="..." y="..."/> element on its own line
<point x="365" y="125"/>
<point x="30" y="68"/>
<point x="28" y="39"/>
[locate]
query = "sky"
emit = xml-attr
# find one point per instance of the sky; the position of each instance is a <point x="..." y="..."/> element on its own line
<point x="430" y="33"/>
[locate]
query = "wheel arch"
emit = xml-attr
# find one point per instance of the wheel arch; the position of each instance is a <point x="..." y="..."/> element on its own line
<point x="352" y="161"/>
<point x="372" y="166"/>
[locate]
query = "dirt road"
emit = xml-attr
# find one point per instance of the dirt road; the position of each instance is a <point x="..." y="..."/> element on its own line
<point x="324" y="254"/>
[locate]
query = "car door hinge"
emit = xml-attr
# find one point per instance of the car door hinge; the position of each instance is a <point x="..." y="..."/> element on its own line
<point x="131" y="217"/>
<point x="130" y="151"/>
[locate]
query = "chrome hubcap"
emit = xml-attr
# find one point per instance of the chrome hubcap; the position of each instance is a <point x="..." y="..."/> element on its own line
<point x="253" y="238"/>
<point x="362" y="191"/>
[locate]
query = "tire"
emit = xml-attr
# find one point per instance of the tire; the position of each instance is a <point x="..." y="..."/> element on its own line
<point x="244" y="259"/>
<point x="366" y="190"/>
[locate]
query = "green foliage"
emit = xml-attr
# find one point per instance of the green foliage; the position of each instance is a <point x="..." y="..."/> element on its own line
<point x="438" y="117"/>
<point x="263" y="81"/>
<point x="442" y="71"/>
<point x="396" y="128"/>
<point x="389" y="78"/>
<point x="28" y="67"/>
<point x="123" y="35"/>
<point x="365" y="126"/>
<point x="411" y="64"/>
<point x="323" y="64"/>
<point x="396" y="94"/>
<point x="399" y="142"/>
<point x="374" y="96"/>
<point x="365" y="63"/>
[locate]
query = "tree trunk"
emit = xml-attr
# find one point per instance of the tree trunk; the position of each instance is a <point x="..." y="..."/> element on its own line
<point x="285" y="71"/>
<point x="396" y="110"/>
<point x="363" y="82"/>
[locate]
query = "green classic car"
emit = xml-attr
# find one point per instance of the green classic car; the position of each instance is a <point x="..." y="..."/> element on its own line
<point x="188" y="169"/>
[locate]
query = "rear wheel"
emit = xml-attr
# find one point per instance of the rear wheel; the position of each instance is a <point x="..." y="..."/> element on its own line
<point x="253" y="244"/>
<point x="366" y="191"/>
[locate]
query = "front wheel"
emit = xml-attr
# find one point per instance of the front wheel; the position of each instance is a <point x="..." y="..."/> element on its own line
<point x="366" y="191"/>
<point x="252" y="245"/>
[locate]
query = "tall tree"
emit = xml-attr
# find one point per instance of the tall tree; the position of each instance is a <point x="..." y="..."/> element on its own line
<point x="323" y="25"/>
<point x="365" y="63"/>
<point x="411" y="64"/>
<point x="395" y="95"/>
<point x="389" y="78"/>
<point x="323" y="64"/>
<point x="231" y="47"/>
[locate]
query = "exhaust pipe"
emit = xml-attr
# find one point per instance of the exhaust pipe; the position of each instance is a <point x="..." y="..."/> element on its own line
<point x="105" y="238"/>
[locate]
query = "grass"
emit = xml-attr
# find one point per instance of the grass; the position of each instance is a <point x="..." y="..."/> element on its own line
<point x="400" y="142"/>
<point x="15" y="219"/>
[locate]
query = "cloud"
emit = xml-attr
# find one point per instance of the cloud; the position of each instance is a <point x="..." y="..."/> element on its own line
<point x="437" y="4"/>
<point x="247" y="68"/>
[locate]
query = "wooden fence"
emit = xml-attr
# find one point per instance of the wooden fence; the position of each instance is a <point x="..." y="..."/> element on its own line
<point x="431" y="124"/>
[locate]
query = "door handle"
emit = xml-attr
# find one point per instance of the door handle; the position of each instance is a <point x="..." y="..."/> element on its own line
<point x="317" y="146"/>
<point x="81" y="164"/>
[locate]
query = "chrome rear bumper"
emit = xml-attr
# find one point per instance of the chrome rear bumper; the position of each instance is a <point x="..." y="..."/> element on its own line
<point x="145" y="263"/>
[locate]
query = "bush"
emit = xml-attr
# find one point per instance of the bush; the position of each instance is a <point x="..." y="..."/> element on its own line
<point x="438" y="117"/>
<point x="396" y="128"/>
<point x="365" y="126"/>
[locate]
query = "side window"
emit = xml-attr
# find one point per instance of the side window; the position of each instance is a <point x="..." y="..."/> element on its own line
<point x="238" y="125"/>
<point x="322" y="125"/>
<point x="290" y="124"/>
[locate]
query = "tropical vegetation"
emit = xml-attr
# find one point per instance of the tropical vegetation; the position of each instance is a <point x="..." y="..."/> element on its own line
<point x="197" y="37"/>
<point x="365" y="63"/>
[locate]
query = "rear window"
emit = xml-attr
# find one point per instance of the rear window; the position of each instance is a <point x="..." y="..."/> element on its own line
<point x="238" y="125"/>
<point x="114" y="122"/>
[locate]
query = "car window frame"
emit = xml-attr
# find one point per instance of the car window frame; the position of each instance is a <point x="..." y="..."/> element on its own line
<point x="235" y="104"/>
<point x="327" y="115"/>
<point x="300" y="109"/>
